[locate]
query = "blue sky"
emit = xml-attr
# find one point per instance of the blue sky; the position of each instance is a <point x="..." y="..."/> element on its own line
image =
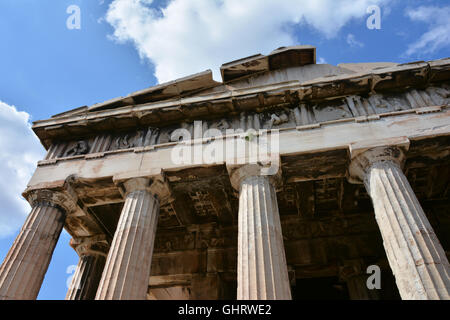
<point x="127" y="45"/>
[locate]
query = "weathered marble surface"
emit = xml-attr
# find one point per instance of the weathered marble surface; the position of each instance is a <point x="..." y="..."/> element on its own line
<point x="205" y="243"/>
<point x="23" y="270"/>
<point x="262" y="272"/>
<point x="417" y="259"/>
<point x="128" y="264"/>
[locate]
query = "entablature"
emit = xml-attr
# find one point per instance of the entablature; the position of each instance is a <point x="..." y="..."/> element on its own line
<point x="299" y="116"/>
<point x="234" y="101"/>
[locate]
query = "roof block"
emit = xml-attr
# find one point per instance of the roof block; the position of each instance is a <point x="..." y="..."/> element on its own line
<point x="280" y="58"/>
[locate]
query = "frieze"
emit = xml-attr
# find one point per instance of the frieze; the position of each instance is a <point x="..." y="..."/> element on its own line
<point x="211" y="236"/>
<point x="300" y="116"/>
<point x="77" y="148"/>
<point x="196" y="237"/>
<point x="167" y="242"/>
<point x="330" y="227"/>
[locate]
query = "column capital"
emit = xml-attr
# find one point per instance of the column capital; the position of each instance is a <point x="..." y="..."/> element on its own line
<point x="156" y="184"/>
<point x="269" y="169"/>
<point x="60" y="195"/>
<point x="365" y="155"/>
<point x="135" y="184"/>
<point x="95" y="245"/>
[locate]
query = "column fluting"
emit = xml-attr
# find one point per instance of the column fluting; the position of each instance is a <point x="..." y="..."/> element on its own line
<point x="262" y="268"/>
<point x="415" y="255"/>
<point x="85" y="281"/>
<point x="127" y="270"/>
<point x="25" y="265"/>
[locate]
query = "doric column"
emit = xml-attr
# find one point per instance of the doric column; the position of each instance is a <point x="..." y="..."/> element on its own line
<point x="127" y="270"/>
<point x="262" y="269"/>
<point x="415" y="255"/>
<point x="92" y="252"/>
<point x="25" y="265"/>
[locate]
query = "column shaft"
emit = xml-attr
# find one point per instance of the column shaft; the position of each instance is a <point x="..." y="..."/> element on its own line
<point x="26" y="263"/>
<point x="127" y="270"/>
<point x="262" y="268"/>
<point x="87" y="277"/>
<point x="415" y="255"/>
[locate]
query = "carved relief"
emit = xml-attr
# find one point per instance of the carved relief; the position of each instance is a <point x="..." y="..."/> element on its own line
<point x="331" y="111"/>
<point x="301" y="115"/>
<point x="165" y="135"/>
<point x="396" y="103"/>
<point x="151" y="137"/>
<point x="129" y="140"/>
<point x="215" y="127"/>
<point x="222" y="125"/>
<point x="183" y="133"/>
<point x="440" y="96"/>
<point x="392" y="103"/>
<point x="77" y="148"/>
<point x="379" y="103"/>
<point x="276" y="119"/>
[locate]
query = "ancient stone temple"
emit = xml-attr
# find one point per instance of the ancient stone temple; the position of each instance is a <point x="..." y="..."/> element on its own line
<point x="287" y="180"/>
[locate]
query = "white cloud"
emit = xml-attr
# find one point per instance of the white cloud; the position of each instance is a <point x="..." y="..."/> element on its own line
<point x="352" y="42"/>
<point x="321" y="60"/>
<point x="189" y="36"/>
<point x="20" y="150"/>
<point x="438" y="34"/>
